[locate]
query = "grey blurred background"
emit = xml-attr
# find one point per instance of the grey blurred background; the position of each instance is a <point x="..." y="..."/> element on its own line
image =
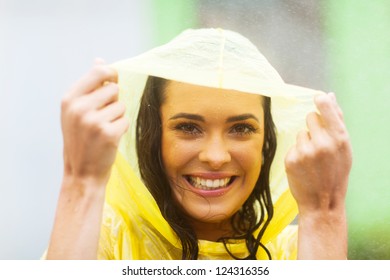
<point x="45" y="47"/>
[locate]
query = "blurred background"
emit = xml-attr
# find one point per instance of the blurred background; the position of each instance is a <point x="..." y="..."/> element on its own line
<point x="332" y="45"/>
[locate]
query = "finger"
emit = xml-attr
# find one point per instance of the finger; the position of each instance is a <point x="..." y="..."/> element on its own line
<point x="99" y="61"/>
<point x="102" y="96"/>
<point x="339" y="111"/>
<point x="117" y="128"/>
<point x="328" y="113"/>
<point x="291" y="159"/>
<point x="315" y="126"/>
<point x="112" y="112"/>
<point x="303" y="141"/>
<point x="94" y="79"/>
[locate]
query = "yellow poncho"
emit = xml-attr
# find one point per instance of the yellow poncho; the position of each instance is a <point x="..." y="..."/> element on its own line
<point x="133" y="227"/>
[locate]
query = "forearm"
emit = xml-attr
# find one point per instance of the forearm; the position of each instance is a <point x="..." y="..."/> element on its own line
<point x="323" y="235"/>
<point x="78" y="218"/>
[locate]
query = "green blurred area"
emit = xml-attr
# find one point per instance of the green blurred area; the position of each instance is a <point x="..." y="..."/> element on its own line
<point x="356" y="35"/>
<point x="358" y="42"/>
<point x="171" y="17"/>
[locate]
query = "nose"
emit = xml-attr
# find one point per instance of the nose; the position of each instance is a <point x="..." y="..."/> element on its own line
<point x="215" y="152"/>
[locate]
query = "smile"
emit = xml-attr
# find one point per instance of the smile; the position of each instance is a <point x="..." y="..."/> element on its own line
<point x="209" y="184"/>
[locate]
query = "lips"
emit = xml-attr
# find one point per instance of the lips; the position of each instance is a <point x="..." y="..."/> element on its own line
<point x="209" y="184"/>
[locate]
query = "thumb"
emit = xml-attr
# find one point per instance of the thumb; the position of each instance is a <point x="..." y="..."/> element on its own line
<point x="99" y="61"/>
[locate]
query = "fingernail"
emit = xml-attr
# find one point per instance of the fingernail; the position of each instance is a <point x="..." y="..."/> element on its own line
<point x="99" y="61"/>
<point x="333" y="95"/>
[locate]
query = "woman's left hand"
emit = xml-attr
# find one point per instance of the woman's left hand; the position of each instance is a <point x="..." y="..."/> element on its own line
<point x="318" y="168"/>
<point x="318" y="165"/>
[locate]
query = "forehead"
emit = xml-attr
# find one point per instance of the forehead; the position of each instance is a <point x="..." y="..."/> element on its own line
<point x="183" y="96"/>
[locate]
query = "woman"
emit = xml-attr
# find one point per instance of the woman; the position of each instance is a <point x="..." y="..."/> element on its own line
<point x="205" y="140"/>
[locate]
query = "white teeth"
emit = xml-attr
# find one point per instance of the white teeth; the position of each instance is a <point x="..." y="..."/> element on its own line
<point x="208" y="184"/>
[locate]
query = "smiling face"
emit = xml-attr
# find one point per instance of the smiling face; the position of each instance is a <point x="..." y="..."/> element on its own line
<point x="212" y="143"/>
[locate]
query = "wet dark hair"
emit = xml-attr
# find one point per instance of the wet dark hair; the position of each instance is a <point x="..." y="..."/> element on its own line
<point x="256" y="212"/>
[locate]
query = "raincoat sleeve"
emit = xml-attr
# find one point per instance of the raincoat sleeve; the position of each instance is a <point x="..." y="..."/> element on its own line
<point x="112" y="231"/>
<point x="284" y="246"/>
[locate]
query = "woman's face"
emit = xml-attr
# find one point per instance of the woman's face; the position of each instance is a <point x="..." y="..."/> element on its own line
<point x="212" y="143"/>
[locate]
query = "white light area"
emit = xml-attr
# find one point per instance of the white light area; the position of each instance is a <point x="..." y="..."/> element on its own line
<point x="45" y="46"/>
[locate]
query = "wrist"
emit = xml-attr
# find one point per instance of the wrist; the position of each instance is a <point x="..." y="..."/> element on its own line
<point x="84" y="186"/>
<point x="86" y="177"/>
<point x="323" y="220"/>
<point x="323" y="235"/>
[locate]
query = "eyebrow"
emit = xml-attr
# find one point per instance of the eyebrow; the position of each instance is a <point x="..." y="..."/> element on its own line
<point x="242" y="117"/>
<point x="196" y="117"/>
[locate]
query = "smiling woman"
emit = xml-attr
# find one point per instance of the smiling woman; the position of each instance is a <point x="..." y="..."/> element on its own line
<point x="211" y="144"/>
<point x="212" y="183"/>
<point x="211" y="156"/>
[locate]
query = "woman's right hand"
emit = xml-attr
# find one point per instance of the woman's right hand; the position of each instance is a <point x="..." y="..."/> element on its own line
<point x="92" y="121"/>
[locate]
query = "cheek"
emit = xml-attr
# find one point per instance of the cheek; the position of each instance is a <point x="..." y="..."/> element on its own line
<point x="176" y="154"/>
<point x="252" y="166"/>
<point x="249" y="158"/>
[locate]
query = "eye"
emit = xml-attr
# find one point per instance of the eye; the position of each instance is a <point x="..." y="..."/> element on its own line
<point x="188" y="128"/>
<point x="242" y="129"/>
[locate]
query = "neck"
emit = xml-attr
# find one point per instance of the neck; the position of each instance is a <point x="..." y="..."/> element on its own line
<point x="212" y="231"/>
